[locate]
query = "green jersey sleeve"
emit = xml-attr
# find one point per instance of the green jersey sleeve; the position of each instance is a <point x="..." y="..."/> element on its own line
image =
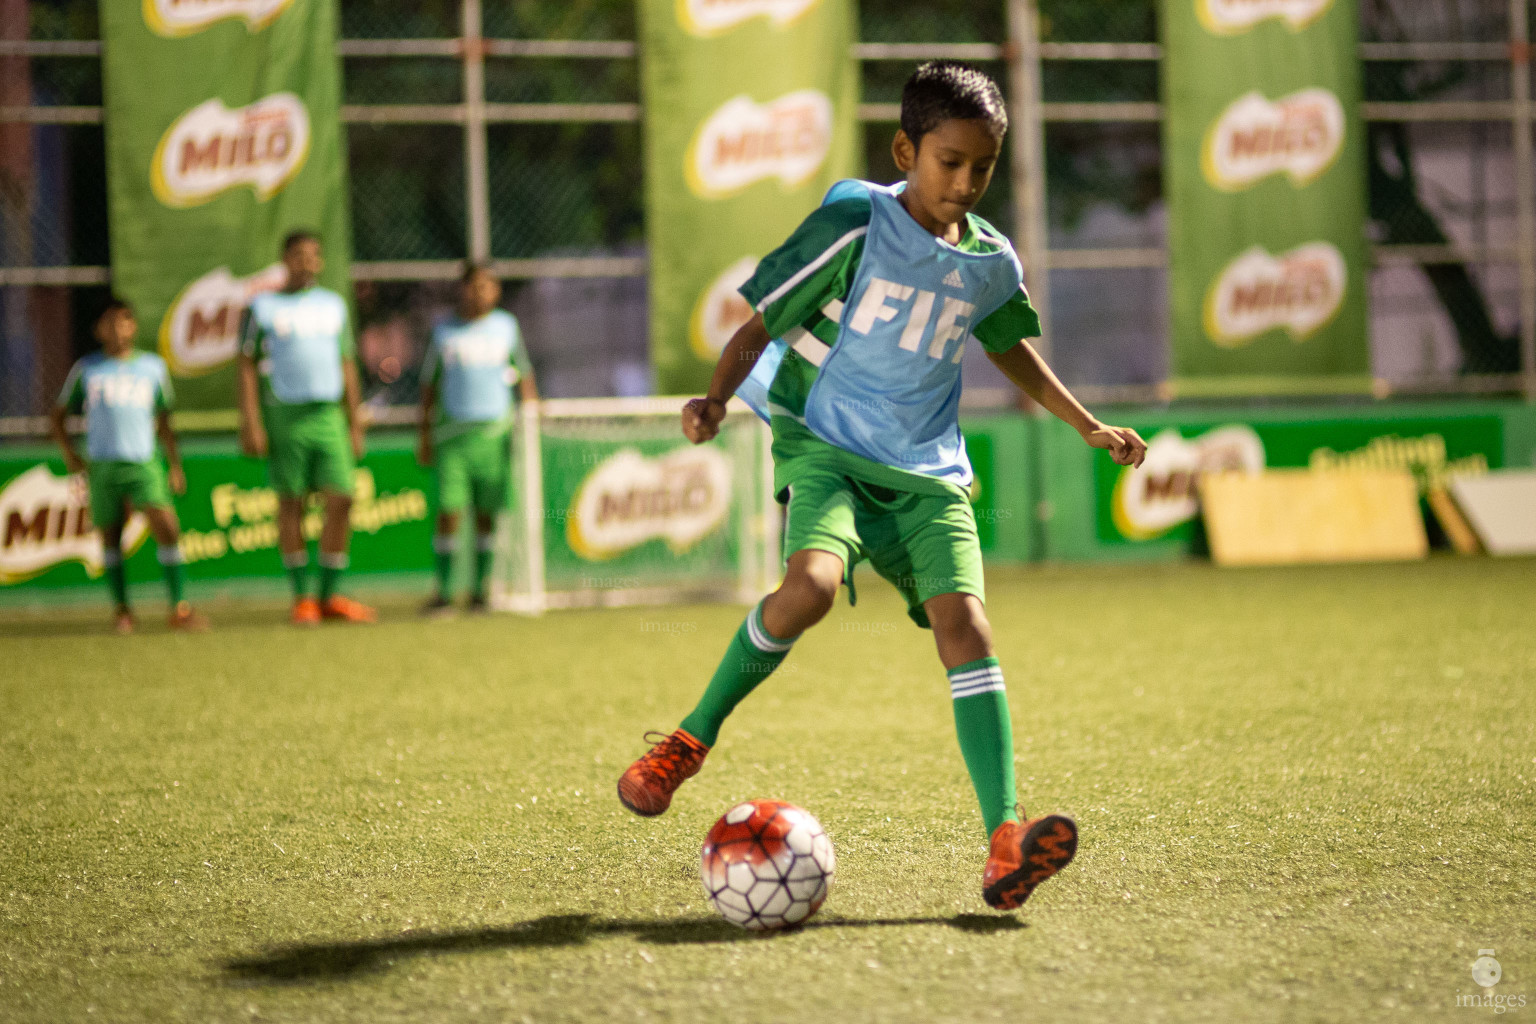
<point x="815" y="265"/>
<point x="250" y="335"/>
<point x="347" y="340"/>
<point x="520" y="358"/>
<point x="1011" y="323"/>
<point x="165" y="394"/>
<point x="72" y="397"/>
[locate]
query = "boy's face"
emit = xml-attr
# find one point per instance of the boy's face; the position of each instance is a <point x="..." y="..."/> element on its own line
<point x="303" y="262"/>
<point x="479" y="294"/>
<point x="116" y="330"/>
<point x="948" y="171"/>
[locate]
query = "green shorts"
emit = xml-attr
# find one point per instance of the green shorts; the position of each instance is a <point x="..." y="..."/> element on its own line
<point x="474" y="467"/>
<point x="924" y="544"/>
<point x="308" y="448"/>
<point x="116" y="485"/>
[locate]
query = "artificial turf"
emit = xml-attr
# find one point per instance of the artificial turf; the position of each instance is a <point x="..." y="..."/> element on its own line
<point x="1303" y="794"/>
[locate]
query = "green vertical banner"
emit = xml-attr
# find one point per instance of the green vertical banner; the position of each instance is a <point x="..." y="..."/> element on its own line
<point x="223" y="135"/>
<point x="1264" y="166"/>
<point x="751" y="112"/>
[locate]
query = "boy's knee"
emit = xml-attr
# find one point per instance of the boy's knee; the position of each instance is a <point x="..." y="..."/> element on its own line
<point x="959" y="616"/>
<point x="808" y="596"/>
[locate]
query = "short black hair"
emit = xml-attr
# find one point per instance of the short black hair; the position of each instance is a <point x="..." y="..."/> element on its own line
<point x="473" y="267"/>
<point x="112" y="305"/>
<point x="294" y="237"/>
<point x="947" y="90"/>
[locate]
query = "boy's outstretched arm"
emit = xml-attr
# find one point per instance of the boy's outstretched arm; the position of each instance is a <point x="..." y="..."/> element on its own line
<point x="176" y="477"/>
<point x="1025" y="368"/>
<point x="702" y="416"/>
<point x="60" y="432"/>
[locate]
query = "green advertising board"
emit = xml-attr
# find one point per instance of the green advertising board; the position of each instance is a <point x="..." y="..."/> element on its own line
<point x="1265" y="178"/>
<point x="228" y="518"/>
<point x="222" y="136"/>
<point x="751" y="113"/>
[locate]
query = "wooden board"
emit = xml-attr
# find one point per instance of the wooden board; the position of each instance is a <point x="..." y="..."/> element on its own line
<point x="1295" y="516"/>
<point x="1455" y="526"/>
<point x="1501" y="507"/>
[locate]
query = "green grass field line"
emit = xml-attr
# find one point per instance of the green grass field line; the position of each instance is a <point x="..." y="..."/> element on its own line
<point x="1304" y="794"/>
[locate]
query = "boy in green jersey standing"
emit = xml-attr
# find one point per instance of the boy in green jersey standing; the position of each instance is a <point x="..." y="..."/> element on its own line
<point x="861" y="319"/>
<point x="126" y="398"/>
<point x="299" y="399"/>
<point x="472" y="363"/>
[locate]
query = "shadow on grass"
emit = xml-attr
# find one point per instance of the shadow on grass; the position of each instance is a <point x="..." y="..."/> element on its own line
<point x="339" y="960"/>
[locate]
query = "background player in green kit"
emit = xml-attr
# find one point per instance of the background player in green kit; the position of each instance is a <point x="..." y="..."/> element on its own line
<point x="299" y="402"/>
<point x="866" y="308"/>
<point x="467" y="375"/>
<point x="126" y="398"/>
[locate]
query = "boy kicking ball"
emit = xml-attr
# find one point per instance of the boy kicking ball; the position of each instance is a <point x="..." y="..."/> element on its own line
<point x="126" y="398"/>
<point x="872" y="299"/>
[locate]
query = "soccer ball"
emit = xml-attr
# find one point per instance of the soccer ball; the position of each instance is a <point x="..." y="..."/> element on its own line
<point x="767" y="864"/>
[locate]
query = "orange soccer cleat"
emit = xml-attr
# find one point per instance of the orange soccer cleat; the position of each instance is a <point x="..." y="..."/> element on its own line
<point x="346" y="609"/>
<point x="1024" y="855"/>
<point x="306" y="612"/>
<point x="122" y="621"/>
<point x="185" y="619"/>
<point x="646" y="787"/>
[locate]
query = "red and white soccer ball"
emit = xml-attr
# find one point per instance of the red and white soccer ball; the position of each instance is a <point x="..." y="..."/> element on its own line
<point x="767" y="864"/>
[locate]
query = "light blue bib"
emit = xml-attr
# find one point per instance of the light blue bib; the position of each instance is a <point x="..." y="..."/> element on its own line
<point x="889" y="389"/>
<point x="302" y="332"/>
<point x="477" y="371"/>
<point x="120" y="397"/>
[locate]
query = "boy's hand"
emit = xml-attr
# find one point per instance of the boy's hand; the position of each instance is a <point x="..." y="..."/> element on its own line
<point x="356" y="433"/>
<point x="253" y="441"/>
<point x="424" y="450"/>
<point x="702" y="418"/>
<point x="1125" y="446"/>
<point x="178" y="480"/>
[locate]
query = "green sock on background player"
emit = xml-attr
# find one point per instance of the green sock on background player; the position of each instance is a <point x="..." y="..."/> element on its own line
<point x="297" y="564"/>
<point x="752" y="656"/>
<point x="117" y="575"/>
<point x="485" y="548"/>
<point x="442" y="561"/>
<point x="332" y="565"/>
<point x="986" y="737"/>
<point x="171" y="564"/>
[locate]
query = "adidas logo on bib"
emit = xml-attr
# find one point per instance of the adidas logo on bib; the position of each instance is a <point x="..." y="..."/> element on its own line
<point x="954" y="280"/>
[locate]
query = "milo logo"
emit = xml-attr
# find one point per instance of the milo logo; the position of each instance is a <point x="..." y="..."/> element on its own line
<point x="628" y="499"/>
<point x="1299" y="135"/>
<point x="712" y="17"/>
<point x="720" y="310"/>
<point x="1163" y="492"/>
<point x="1300" y="291"/>
<point x="201" y="330"/>
<point x="45" y="520"/>
<point x="183" y="17"/>
<point x="744" y="142"/>
<point x="211" y="149"/>
<point x="1228" y="17"/>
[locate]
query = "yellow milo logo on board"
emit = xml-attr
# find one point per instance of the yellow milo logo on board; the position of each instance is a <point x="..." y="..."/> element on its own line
<point x="45" y="520"/>
<point x="1299" y="135"/>
<point x="1300" y="290"/>
<point x="720" y="310"/>
<point x="200" y="331"/>
<point x="1163" y="493"/>
<point x="680" y="497"/>
<point x="744" y="142"/>
<point x="174" y="18"/>
<point x="704" y="18"/>
<point x="211" y="149"/>
<point x="1230" y="17"/>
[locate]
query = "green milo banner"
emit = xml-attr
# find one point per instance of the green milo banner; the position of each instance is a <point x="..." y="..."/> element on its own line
<point x="222" y="136"/>
<point x="751" y="113"/>
<point x="1264" y="166"/>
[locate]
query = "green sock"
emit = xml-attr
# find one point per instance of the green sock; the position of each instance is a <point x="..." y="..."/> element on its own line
<point x="117" y="575"/>
<point x="753" y="654"/>
<point x="170" y="562"/>
<point x="331" y="568"/>
<point x="986" y="737"/>
<point x="442" y="561"/>
<point x="485" y="549"/>
<point x="297" y="564"/>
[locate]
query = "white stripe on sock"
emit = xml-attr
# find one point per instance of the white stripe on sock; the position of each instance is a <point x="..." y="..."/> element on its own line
<point x="168" y="555"/>
<point x="760" y="638"/>
<point x="295" y="560"/>
<point x="442" y="543"/>
<point x="996" y="686"/>
<point x="975" y="673"/>
<point x="486" y="542"/>
<point x="329" y="560"/>
<point x="111" y="556"/>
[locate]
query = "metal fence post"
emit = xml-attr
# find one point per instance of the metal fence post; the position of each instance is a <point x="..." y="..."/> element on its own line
<point x="1026" y="117"/>
<point x="476" y="176"/>
<point x="1525" y="187"/>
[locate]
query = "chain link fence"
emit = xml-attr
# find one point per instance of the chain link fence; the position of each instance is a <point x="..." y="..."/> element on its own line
<point x="562" y="208"/>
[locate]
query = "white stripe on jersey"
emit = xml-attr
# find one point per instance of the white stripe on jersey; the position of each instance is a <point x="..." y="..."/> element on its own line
<point x="811" y="268"/>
